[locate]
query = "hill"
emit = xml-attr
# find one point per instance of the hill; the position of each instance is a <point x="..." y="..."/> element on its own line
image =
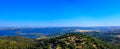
<point x="73" y="41"/>
<point x="66" y="41"/>
<point x="16" y="43"/>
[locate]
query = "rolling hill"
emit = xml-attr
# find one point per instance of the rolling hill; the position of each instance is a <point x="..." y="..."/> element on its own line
<point x="66" y="41"/>
<point x="73" y="41"/>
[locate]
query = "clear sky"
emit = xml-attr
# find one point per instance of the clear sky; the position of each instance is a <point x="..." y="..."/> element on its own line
<point x="16" y="13"/>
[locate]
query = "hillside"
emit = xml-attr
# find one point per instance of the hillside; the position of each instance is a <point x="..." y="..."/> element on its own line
<point x="16" y="43"/>
<point x="73" y="41"/>
<point x="66" y="41"/>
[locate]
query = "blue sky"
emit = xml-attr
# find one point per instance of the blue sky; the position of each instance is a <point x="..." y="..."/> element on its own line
<point x="15" y="13"/>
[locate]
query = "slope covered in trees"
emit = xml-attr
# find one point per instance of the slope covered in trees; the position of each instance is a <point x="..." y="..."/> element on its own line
<point x="66" y="41"/>
<point x="73" y="41"/>
<point x="16" y="43"/>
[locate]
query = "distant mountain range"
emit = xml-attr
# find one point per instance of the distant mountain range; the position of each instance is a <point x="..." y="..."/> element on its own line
<point x="35" y="32"/>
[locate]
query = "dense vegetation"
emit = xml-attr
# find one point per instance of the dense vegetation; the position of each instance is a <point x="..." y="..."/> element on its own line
<point x="74" y="41"/>
<point x="16" y="43"/>
<point x="67" y="41"/>
<point x="107" y="37"/>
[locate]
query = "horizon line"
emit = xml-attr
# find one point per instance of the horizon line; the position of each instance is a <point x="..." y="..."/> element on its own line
<point x="50" y="26"/>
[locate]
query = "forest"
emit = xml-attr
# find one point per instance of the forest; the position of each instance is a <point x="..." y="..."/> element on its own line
<point x="66" y="41"/>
